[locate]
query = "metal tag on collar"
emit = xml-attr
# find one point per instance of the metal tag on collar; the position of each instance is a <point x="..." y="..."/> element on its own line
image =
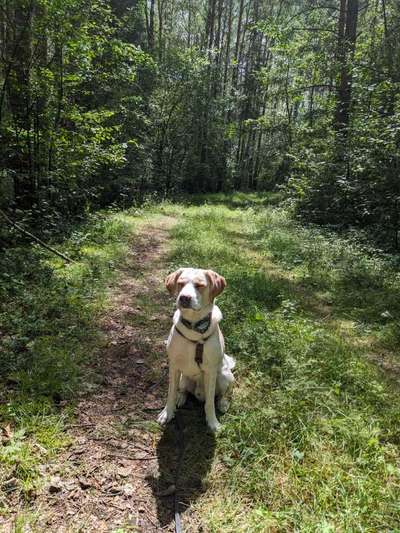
<point x="202" y="325"/>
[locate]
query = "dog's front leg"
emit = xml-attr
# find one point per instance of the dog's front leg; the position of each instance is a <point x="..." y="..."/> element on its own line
<point x="168" y="412"/>
<point x="210" y="378"/>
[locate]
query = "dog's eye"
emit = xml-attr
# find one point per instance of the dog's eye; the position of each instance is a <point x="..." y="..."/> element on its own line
<point x="199" y="285"/>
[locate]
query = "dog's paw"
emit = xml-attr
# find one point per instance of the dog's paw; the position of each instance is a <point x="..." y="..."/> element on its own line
<point x="223" y="405"/>
<point x="214" y="425"/>
<point x="165" y="416"/>
<point x="181" y="399"/>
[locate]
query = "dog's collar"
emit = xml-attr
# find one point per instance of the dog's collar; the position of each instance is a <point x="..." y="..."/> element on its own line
<point x="199" y="345"/>
<point x="201" y="326"/>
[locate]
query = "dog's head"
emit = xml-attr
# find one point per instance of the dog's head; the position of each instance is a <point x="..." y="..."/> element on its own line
<point x="195" y="288"/>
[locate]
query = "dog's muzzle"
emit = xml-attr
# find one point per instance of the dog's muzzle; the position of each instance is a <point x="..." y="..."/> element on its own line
<point x="185" y="301"/>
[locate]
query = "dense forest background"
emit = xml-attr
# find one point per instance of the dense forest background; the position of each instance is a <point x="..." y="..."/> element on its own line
<point x="109" y="101"/>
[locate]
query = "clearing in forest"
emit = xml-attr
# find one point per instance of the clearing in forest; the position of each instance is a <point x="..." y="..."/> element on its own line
<point x="311" y="440"/>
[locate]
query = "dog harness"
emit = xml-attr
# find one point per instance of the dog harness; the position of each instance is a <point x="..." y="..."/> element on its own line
<point x="200" y="327"/>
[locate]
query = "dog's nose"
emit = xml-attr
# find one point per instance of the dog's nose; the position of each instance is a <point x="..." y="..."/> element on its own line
<point x="185" y="300"/>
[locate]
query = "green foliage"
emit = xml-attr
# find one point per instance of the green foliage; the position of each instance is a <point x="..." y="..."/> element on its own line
<point x="86" y="124"/>
<point x="342" y="178"/>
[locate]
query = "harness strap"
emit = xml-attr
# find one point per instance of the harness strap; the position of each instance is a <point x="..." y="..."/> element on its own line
<point x="199" y="346"/>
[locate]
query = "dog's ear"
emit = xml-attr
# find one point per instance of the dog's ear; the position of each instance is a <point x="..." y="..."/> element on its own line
<point x="171" y="280"/>
<point x="217" y="283"/>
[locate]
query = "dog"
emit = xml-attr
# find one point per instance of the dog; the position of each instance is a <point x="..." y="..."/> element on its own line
<point x="197" y="360"/>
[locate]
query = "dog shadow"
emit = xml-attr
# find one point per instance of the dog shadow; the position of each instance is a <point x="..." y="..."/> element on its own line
<point x="185" y="454"/>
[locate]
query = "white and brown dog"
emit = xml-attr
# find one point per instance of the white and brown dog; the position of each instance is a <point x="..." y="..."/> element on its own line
<point x="197" y="361"/>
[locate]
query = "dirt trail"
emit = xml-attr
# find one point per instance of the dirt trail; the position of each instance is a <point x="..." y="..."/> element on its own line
<point x="118" y="472"/>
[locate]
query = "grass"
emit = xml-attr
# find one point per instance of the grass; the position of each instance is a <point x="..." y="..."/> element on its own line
<point x="311" y="442"/>
<point x="48" y="334"/>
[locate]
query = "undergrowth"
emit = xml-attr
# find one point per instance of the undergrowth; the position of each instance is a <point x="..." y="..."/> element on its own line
<point x="49" y="332"/>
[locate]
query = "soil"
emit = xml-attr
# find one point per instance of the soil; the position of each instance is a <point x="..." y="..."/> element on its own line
<point x="123" y="472"/>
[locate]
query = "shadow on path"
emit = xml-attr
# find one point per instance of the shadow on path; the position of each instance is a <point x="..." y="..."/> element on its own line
<point x="185" y="454"/>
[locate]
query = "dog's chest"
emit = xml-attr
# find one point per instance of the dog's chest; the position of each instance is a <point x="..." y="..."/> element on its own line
<point x="182" y="354"/>
<point x="186" y="363"/>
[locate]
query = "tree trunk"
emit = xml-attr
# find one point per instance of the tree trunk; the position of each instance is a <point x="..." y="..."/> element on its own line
<point x="19" y="98"/>
<point x="228" y="47"/>
<point x="160" y="9"/>
<point x="347" y="35"/>
<point x="150" y="25"/>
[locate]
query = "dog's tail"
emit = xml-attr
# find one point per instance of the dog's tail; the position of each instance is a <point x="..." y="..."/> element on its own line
<point x="229" y="362"/>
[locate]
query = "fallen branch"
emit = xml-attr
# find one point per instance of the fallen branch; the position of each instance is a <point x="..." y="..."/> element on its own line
<point x="36" y="239"/>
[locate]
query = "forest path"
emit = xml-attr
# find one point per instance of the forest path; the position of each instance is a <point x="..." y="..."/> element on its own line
<point x="108" y="479"/>
<point x="310" y="442"/>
